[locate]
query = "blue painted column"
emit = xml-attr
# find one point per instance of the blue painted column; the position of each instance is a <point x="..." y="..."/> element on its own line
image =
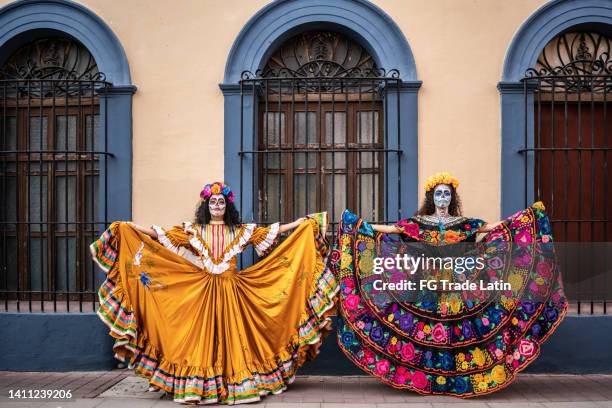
<point x="116" y="124"/>
<point x="401" y="117"/>
<point x="517" y="166"/>
<point x="240" y="171"/>
<point x="239" y="138"/>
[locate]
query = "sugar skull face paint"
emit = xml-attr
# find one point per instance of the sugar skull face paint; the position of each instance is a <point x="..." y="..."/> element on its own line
<point x="216" y="205"/>
<point x="442" y="195"/>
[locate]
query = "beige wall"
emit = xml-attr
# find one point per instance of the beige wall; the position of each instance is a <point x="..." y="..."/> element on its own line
<point x="177" y="52"/>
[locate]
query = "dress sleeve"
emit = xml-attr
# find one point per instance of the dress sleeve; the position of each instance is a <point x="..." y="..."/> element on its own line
<point x="174" y="239"/>
<point x="263" y="238"/>
<point x="409" y="227"/>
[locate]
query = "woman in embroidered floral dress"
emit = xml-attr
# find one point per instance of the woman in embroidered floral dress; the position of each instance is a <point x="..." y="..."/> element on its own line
<point x="185" y="318"/>
<point x="462" y="342"/>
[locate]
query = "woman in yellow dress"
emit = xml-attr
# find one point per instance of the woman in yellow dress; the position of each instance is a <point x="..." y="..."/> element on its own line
<point x="186" y="319"/>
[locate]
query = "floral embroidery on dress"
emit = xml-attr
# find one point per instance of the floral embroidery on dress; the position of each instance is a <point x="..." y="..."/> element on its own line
<point x="455" y="345"/>
<point x="422" y="229"/>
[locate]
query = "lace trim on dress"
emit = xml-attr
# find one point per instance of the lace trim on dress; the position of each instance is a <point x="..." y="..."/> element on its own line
<point x="179" y="250"/>
<point x="264" y="245"/>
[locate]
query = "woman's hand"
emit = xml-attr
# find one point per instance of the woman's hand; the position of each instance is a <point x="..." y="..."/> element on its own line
<point x="480" y="234"/>
<point x="488" y="227"/>
<point x="291" y="225"/>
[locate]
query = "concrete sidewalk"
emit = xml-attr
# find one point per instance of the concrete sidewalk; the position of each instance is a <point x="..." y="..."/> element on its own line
<point x="119" y="388"/>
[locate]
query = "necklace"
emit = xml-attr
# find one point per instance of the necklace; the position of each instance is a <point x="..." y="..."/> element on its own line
<point x="213" y="222"/>
<point x="445" y="219"/>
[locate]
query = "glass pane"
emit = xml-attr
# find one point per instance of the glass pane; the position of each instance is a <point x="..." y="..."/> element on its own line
<point x="38" y="263"/>
<point x="8" y="142"/>
<point x="37" y="209"/>
<point x="274" y="128"/>
<point x="300" y="160"/>
<point x="368" y="191"/>
<point x="8" y="133"/>
<point x="38" y="133"/>
<point x="65" y="263"/>
<point x="66" y="136"/>
<point x="300" y="130"/>
<point x="9" y="258"/>
<point x="9" y="198"/>
<point x="336" y="134"/>
<point x="334" y="161"/>
<point x="92" y="129"/>
<point x="367" y="127"/>
<point x="367" y="160"/>
<point x="93" y="140"/>
<point x="91" y="199"/>
<point x="304" y="194"/>
<point x="61" y="165"/>
<point x="272" y="205"/>
<point x="65" y="194"/>
<point x="273" y="160"/>
<point x="335" y="195"/>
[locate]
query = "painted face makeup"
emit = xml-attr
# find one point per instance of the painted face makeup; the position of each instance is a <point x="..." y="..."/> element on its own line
<point x="442" y="195"/>
<point x="216" y="205"/>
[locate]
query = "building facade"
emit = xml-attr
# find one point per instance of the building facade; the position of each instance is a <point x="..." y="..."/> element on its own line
<point x="123" y="110"/>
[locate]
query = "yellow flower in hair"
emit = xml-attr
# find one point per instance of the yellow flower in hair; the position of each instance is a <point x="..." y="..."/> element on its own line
<point x="441" y="178"/>
<point x="215" y="189"/>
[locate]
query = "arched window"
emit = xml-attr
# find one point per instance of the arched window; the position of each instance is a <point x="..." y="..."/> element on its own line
<point x="321" y="129"/>
<point x="572" y="143"/>
<point x="52" y="150"/>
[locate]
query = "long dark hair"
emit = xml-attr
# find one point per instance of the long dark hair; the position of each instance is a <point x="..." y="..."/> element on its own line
<point x="428" y="207"/>
<point x="231" y="216"/>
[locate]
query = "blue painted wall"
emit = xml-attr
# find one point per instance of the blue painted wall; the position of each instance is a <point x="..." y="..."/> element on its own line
<point x="54" y="342"/>
<point x="72" y="342"/>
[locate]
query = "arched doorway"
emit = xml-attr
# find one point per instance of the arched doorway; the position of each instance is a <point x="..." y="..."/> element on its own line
<point x="554" y="119"/>
<point x="568" y="90"/>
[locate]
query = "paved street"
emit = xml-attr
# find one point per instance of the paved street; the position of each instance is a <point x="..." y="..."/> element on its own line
<point x="119" y="388"/>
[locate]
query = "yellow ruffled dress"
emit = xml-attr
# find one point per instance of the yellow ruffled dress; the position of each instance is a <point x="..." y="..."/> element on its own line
<point x="186" y="319"/>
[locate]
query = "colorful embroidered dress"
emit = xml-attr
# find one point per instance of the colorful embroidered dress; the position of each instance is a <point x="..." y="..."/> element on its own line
<point x="183" y="317"/>
<point x="456" y="342"/>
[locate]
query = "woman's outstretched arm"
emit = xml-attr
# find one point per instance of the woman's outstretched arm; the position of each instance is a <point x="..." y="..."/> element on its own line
<point x="387" y="229"/>
<point x="148" y="231"/>
<point x="291" y="225"/>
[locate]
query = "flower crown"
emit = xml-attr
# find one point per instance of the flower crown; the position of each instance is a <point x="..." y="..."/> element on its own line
<point x="441" y="178"/>
<point x="217" y="188"/>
